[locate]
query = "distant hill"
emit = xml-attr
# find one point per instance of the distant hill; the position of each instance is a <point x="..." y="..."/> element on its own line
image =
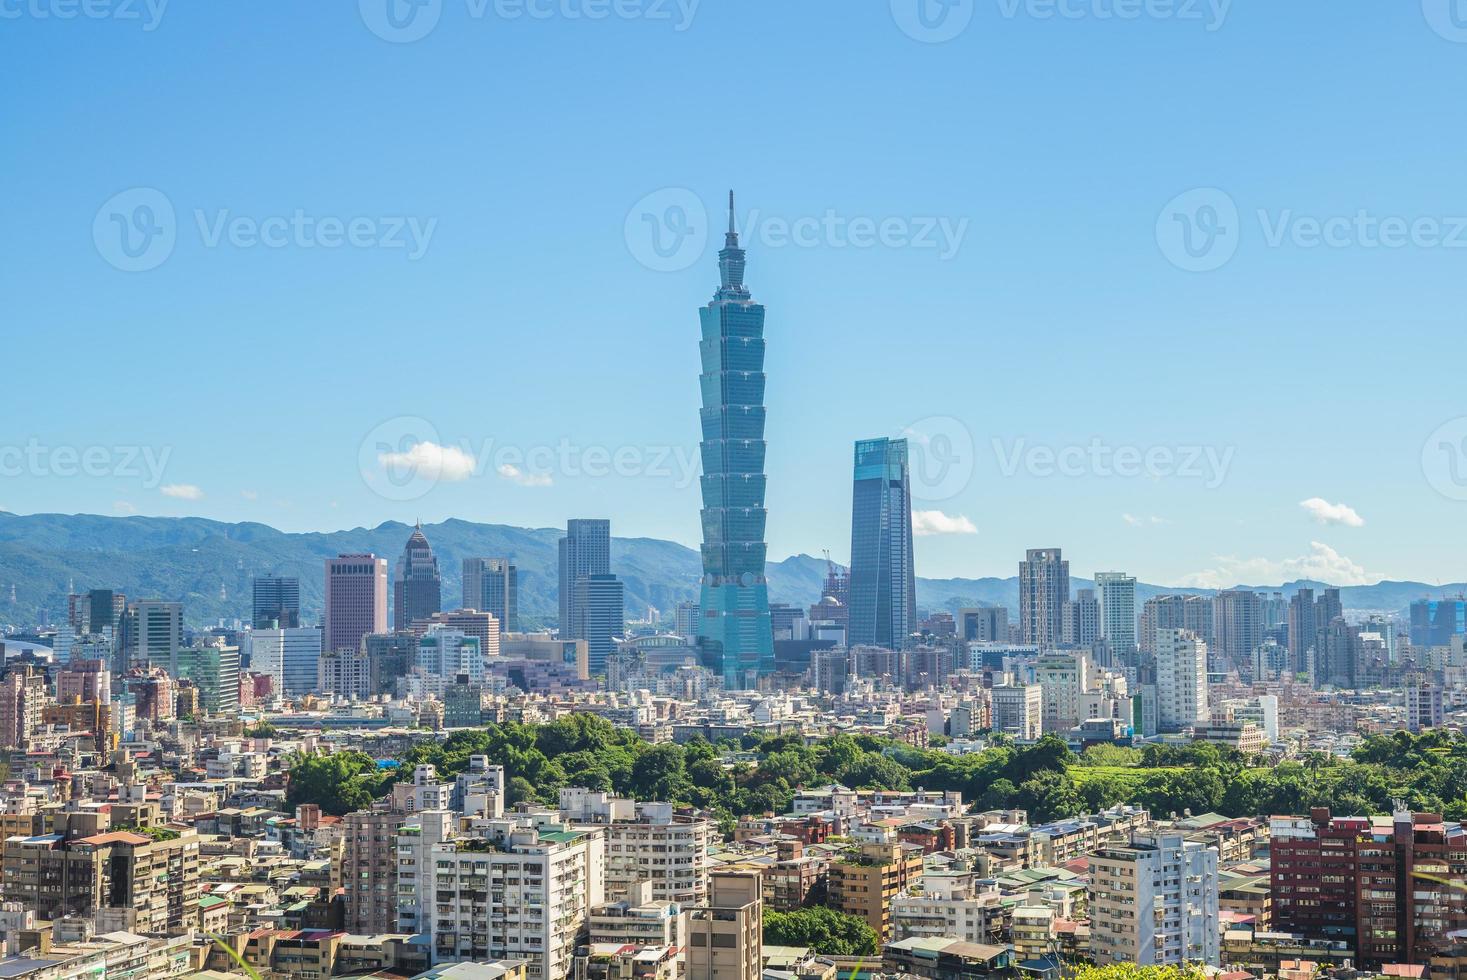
<point x="208" y="566"/>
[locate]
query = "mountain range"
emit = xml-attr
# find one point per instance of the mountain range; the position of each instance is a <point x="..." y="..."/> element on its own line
<point x="208" y="566"/>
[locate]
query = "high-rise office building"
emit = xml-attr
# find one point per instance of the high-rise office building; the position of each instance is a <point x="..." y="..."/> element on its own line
<point x="734" y="630"/>
<point x="883" y="583"/>
<point x="983" y="624"/>
<point x="356" y="600"/>
<point x="685" y="619"/>
<point x="492" y="585"/>
<point x="1117" y="594"/>
<point x="277" y="603"/>
<point x="1044" y="588"/>
<point x="389" y="657"/>
<point x="1193" y="613"/>
<point x="584" y="551"/>
<point x="214" y="670"/>
<point x="291" y="658"/>
<point x="1435" y="621"/>
<point x="154" y="632"/>
<point x="601" y="605"/>
<point x="418" y="591"/>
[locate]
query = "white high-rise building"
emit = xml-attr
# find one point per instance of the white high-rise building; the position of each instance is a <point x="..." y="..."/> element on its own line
<point x="1018" y="710"/>
<point x="290" y="656"/>
<point x="1064" y="677"/>
<point x="445" y="654"/>
<point x="644" y="842"/>
<point x="1181" y="679"/>
<point x="1117" y="594"/>
<point x="1154" y="902"/>
<point x="520" y="888"/>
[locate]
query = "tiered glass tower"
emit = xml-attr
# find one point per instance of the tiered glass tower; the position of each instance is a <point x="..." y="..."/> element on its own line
<point x="734" y="629"/>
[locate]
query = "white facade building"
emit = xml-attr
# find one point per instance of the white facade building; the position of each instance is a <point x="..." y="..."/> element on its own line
<point x="644" y="842"/>
<point x="1154" y="902"/>
<point x="1181" y="679"/>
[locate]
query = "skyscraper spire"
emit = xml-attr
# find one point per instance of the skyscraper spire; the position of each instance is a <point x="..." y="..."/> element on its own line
<point x="731" y="261"/>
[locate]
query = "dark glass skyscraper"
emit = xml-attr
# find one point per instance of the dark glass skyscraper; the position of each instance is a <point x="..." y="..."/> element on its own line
<point x="883" y="582"/>
<point x="734" y="629"/>
<point x="418" y="592"/>
<point x="277" y="603"/>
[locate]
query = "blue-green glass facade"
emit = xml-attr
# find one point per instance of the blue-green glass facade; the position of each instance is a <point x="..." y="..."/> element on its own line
<point x="883" y="586"/>
<point x="734" y="629"/>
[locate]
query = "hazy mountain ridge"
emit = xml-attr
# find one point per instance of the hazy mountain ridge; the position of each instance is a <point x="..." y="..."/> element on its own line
<point x="190" y="559"/>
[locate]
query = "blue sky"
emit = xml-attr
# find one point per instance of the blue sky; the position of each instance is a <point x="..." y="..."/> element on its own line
<point x="459" y="233"/>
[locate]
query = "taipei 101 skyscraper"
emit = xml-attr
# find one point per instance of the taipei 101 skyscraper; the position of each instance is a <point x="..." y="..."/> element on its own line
<point x="734" y="629"/>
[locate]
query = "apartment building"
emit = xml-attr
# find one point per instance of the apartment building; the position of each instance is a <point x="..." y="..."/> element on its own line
<point x="369" y="868"/>
<point x="521" y="889"/>
<point x="154" y="875"/>
<point x="725" y="936"/>
<point x="948" y="903"/>
<point x="645" y="842"/>
<point x="1154" y="901"/>
<point x="864" y="882"/>
<point x="1389" y="886"/>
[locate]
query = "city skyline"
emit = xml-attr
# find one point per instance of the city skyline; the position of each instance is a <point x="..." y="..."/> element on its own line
<point x="985" y="304"/>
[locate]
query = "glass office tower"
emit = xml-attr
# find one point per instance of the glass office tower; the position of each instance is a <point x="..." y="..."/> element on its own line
<point x="734" y="629"/>
<point x="883" y="579"/>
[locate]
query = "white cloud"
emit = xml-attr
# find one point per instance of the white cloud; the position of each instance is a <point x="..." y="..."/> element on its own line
<point x="250" y="494"/>
<point x="123" y="507"/>
<point x="1323" y="564"/>
<point x="1135" y="521"/>
<point x="1327" y="513"/>
<point x="430" y="461"/>
<point x="518" y="476"/>
<point x="181" y="491"/>
<point x="926" y="523"/>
